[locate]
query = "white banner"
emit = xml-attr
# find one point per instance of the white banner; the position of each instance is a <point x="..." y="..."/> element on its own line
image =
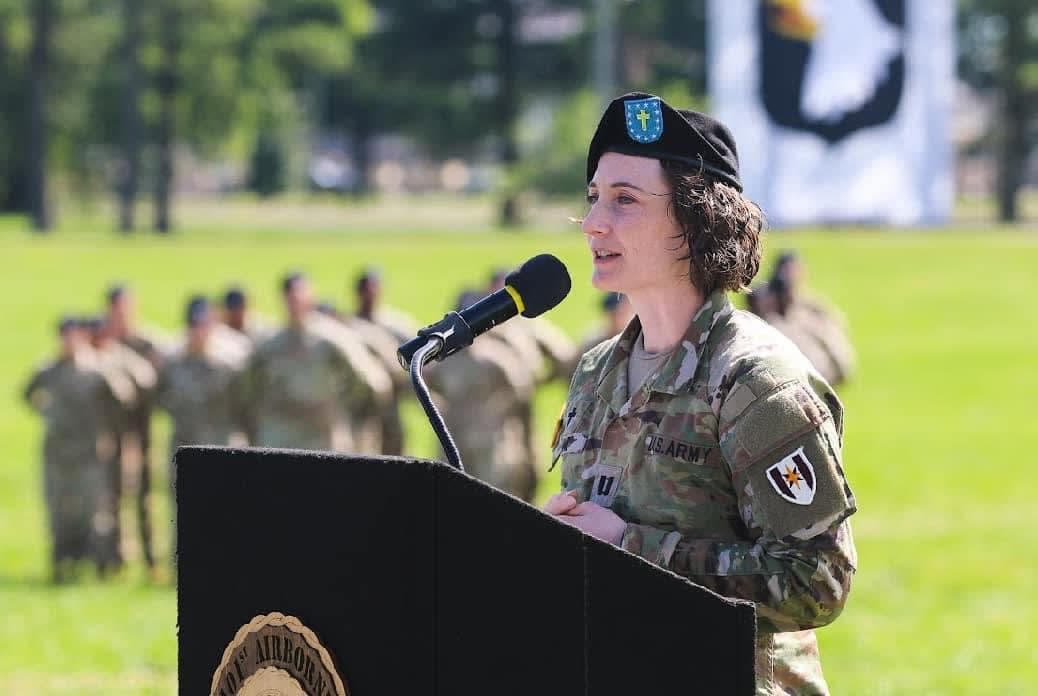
<point x="841" y="109"/>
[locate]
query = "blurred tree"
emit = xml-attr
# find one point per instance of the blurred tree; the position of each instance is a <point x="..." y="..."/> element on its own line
<point x="13" y="91"/>
<point x="129" y="169"/>
<point x="43" y="13"/>
<point x="295" y="47"/>
<point x="661" y="43"/>
<point x="455" y="75"/>
<point x="998" y="49"/>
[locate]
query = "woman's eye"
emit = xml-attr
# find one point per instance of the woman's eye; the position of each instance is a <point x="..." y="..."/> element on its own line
<point x="592" y="198"/>
<point x="624" y="199"/>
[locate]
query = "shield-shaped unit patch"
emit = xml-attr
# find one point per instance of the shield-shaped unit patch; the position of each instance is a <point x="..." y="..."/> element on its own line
<point x="793" y="478"/>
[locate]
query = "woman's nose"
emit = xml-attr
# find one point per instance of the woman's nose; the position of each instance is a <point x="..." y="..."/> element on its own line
<point x="594" y="222"/>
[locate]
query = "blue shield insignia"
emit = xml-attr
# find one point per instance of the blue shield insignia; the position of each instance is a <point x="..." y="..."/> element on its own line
<point x="644" y="119"/>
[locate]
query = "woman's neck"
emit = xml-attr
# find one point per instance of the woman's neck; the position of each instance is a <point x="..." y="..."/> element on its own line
<point x="665" y="315"/>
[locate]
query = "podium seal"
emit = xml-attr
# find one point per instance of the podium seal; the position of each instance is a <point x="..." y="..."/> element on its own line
<point x="276" y="655"/>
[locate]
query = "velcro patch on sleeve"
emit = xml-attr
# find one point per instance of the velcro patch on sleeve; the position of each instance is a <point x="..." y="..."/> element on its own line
<point x="773" y="421"/>
<point x="801" y="491"/>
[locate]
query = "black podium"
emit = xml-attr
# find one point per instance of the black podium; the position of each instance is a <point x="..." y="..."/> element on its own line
<point x="418" y="579"/>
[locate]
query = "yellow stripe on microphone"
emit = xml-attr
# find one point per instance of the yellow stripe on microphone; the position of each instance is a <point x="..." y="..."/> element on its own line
<point x="516" y="297"/>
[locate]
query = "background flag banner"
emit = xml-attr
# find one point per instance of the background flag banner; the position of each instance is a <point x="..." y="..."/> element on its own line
<point x="841" y="108"/>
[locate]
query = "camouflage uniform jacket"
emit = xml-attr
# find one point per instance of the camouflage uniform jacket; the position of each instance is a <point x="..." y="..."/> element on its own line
<point x="305" y="385"/>
<point x="485" y="391"/>
<point x="726" y="465"/>
<point x="202" y="394"/>
<point x="821" y="334"/>
<point x="83" y="407"/>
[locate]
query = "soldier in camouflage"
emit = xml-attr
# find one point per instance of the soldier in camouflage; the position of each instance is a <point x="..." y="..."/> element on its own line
<point x="308" y="383"/>
<point x="120" y="325"/>
<point x="700" y="438"/>
<point x="485" y="393"/>
<point x="617" y="314"/>
<point x="200" y="387"/>
<point x="239" y="317"/>
<point x="543" y="349"/>
<point x="82" y="405"/>
<point x="383" y="329"/>
<point x="817" y="330"/>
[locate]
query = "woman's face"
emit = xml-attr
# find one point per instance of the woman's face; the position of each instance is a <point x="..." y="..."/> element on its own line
<point x="629" y="227"/>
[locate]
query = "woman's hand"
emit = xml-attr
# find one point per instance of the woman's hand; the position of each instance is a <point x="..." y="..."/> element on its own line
<point x="561" y="503"/>
<point x="590" y="518"/>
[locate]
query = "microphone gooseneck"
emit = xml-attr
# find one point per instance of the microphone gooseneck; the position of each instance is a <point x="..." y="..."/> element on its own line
<point x="421" y="390"/>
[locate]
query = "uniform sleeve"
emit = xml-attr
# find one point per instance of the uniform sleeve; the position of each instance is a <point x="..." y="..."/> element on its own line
<point x="559" y="351"/>
<point x="247" y="390"/>
<point x="784" y="452"/>
<point x="33" y="392"/>
<point x="162" y="387"/>
<point x="366" y="386"/>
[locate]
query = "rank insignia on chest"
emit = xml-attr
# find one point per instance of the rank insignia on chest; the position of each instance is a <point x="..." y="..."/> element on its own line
<point x="793" y="478"/>
<point x="605" y="483"/>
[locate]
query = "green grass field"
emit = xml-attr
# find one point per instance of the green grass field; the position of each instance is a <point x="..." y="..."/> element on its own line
<point x="939" y="446"/>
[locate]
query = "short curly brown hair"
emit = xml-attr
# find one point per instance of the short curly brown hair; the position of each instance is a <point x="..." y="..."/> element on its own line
<point x="721" y="229"/>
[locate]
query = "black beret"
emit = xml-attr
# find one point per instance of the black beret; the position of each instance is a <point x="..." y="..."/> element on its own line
<point x="234" y="299"/>
<point x="115" y="293"/>
<point x="197" y="310"/>
<point x="92" y="323"/>
<point x="366" y="277"/>
<point x="644" y="125"/>
<point x="66" y="323"/>
<point x="290" y="279"/>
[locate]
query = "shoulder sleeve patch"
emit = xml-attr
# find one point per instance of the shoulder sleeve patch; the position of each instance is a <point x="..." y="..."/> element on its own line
<point x="784" y="454"/>
<point x="769" y="423"/>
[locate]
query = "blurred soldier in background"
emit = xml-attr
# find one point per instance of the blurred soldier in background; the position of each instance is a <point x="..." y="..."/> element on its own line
<point x="557" y="356"/>
<point x="309" y="382"/>
<point x="539" y="346"/>
<point x="819" y="331"/>
<point x="128" y="465"/>
<point x="121" y="319"/>
<point x="82" y="406"/>
<point x="618" y="313"/>
<point x="367" y="426"/>
<point x="383" y="330"/>
<point x="368" y="290"/>
<point x="121" y="325"/>
<point x="486" y="394"/>
<point x="200" y="388"/>
<point x="238" y="316"/>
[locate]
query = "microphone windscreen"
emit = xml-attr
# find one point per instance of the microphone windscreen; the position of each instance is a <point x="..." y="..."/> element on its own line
<point x="542" y="282"/>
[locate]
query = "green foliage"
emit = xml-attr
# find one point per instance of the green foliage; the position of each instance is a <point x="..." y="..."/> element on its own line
<point x="555" y="163"/>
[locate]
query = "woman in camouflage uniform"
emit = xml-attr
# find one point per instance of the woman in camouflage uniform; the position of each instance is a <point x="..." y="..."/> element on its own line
<point x="700" y="438"/>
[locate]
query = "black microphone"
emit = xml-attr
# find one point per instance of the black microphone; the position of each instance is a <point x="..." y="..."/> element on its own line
<point x="530" y="290"/>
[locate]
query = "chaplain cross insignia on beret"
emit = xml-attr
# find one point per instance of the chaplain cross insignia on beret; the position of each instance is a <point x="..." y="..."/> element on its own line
<point x="644" y="125"/>
<point x="644" y="119"/>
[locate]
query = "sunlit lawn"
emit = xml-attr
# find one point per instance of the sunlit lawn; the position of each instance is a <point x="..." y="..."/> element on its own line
<point x="940" y="442"/>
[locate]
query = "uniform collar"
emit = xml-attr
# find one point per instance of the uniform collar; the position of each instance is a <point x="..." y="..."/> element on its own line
<point x="676" y="373"/>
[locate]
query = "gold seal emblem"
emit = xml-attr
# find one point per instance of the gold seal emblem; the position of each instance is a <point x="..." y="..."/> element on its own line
<point x="276" y="655"/>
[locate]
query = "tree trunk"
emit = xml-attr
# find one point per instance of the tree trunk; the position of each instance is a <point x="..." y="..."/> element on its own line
<point x="508" y="104"/>
<point x="168" y="84"/>
<point x="1013" y="142"/>
<point x="362" y="157"/>
<point x="131" y="116"/>
<point x="37" y="130"/>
